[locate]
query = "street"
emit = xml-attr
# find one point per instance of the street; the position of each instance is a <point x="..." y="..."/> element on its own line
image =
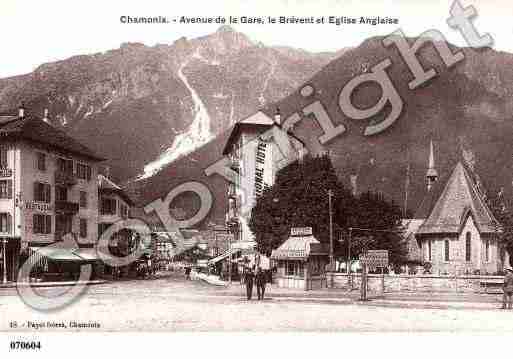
<point x="173" y="304"/>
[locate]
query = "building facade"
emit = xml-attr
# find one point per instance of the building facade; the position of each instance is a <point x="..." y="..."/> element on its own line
<point x="48" y="188"/>
<point x="258" y="147"/>
<point x="455" y="229"/>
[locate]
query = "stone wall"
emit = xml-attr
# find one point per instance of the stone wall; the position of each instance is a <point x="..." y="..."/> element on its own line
<point x="414" y="283"/>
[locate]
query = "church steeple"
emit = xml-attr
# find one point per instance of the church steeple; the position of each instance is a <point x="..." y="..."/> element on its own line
<point x="432" y="174"/>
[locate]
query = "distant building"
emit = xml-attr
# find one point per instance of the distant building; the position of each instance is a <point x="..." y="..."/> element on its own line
<point x="454" y="227"/>
<point x="114" y="206"/>
<point x="257" y="147"/>
<point x="48" y="187"/>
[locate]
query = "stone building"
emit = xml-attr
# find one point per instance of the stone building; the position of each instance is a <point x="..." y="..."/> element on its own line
<point x="457" y="232"/>
<point x="48" y="188"/>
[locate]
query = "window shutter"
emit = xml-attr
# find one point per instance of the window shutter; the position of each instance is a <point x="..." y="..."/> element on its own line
<point x="48" y="228"/>
<point x="48" y="194"/>
<point x="9" y="223"/>
<point x="3" y="157"/>
<point x="9" y="189"/>
<point x="88" y="169"/>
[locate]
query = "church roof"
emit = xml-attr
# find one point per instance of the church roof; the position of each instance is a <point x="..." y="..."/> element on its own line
<point x="458" y="198"/>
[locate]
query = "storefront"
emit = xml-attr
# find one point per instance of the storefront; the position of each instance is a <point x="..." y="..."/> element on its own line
<point x="301" y="261"/>
<point x="9" y="258"/>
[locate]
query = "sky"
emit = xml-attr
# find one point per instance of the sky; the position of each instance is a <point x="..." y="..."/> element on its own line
<point x="35" y="31"/>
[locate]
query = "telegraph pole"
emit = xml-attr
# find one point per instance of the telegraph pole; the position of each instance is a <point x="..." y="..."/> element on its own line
<point x="350" y="278"/>
<point x="330" y="194"/>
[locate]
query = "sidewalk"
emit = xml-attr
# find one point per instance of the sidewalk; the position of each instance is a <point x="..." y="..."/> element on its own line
<point x="52" y="284"/>
<point x="421" y="300"/>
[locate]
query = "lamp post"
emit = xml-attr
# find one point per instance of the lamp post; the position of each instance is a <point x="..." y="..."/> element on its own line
<point x="4" y="243"/>
<point x="330" y="194"/>
<point x="349" y="274"/>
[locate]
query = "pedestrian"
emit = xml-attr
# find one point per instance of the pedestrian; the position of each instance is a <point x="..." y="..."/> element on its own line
<point x="260" y="283"/>
<point x="248" y="280"/>
<point x="508" y="288"/>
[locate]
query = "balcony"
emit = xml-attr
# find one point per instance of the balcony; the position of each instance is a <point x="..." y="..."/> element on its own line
<point x="65" y="178"/>
<point x="65" y="207"/>
<point x="5" y="172"/>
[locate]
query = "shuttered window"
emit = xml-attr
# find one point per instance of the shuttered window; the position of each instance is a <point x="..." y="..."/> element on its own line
<point x="3" y="157"/>
<point x="41" y="224"/>
<point x="5" y="222"/>
<point x="83" y="199"/>
<point x="6" y="189"/>
<point x="41" y="161"/>
<point x="83" y="227"/>
<point x="83" y="171"/>
<point x="42" y="192"/>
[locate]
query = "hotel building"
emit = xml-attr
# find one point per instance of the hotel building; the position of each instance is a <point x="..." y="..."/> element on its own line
<point x="48" y="188"/>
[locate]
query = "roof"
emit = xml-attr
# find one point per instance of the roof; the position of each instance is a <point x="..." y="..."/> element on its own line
<point x="36" y="130"/>
<point x="298" y="247"/>
<point x="459" y="198"/>
<point x="105" y="185"/>
<point x="257" y="121"/>
<point x="411" y="227"/>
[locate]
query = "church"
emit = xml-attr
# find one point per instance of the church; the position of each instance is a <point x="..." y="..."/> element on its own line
<point x="455" y="229"/>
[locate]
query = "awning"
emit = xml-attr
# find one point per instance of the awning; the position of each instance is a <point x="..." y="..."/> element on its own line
<point x="224" y="255"/>
<point x="67" y="254"/>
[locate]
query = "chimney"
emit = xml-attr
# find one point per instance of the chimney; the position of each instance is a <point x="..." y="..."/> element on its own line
<point x="277" y="116"/>
<point x="45" y="116"/>
<point x="21" y="111"/>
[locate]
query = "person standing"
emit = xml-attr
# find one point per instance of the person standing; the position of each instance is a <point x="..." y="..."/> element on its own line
<point x="508" y="289"/>
<point x="260" y="283"/>
<point x="248" y="280"/>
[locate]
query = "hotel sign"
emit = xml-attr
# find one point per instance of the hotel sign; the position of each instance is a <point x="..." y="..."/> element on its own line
<point x="301" y="231"/>
<point x="5" y="172"/>
<point x="38" y="206"/>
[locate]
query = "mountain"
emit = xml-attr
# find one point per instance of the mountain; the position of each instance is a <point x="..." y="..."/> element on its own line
<point x="466" y="110"/>
<point x="143" y="107"/>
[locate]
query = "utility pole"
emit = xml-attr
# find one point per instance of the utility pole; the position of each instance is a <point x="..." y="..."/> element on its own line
<point x="350" y="277"/>
<point x="4" y="243"/>
<point x="330" y="194"/>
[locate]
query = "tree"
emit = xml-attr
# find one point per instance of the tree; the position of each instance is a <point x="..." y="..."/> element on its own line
<point x="503" y="213"/>
<point x="299" y="198"/>
<point x="381" y="220"/>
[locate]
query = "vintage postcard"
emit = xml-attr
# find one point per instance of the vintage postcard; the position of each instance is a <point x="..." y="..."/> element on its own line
<point x="264" y="167"/>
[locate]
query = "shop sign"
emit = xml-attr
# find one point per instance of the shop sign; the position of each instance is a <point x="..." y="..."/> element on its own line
<point x="301" y="231"/>
<point x="38" y="206"/>
<point x="375" y="258"/>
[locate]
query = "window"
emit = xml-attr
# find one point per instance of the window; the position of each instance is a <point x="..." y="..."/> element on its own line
<point x="6" y="189"/>
<point x="123" y="210"/>
<point x="63" y="224"/>
<point x="42" y="192"/>
<point x="42" y="224"/>
<point x="108" y="206"/>
<point x="41" y="161"/>
<point x="5" y="222"/>
<point x="3" y="157"/>
<point x="83" y="228"/>
<point x="487" y="250"/>
<point x="295" y="268"/>
<point x="61" y="193"/>
<point x="446" y="250"/>
<point x="83" y="171"/>
<point x="83" y="199"/>
<point x="468" y="247"/>
<point x="65" y="165"/>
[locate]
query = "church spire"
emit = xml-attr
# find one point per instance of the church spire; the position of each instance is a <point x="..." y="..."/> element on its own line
<point x="432" y="174"/>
